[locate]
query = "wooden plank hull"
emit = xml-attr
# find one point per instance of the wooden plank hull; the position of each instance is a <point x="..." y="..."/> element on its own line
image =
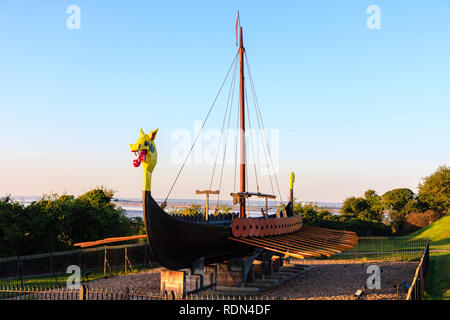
<point x="176" y="244"/>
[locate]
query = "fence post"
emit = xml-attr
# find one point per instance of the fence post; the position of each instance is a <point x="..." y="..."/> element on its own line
<point x="426" y="257"/>
<point x="51" y="263"/>
<point x="18" y="273"/>
<point x="104" y="263"/>
<point x="79" y="261"/>
<point x="422" y="283"/>
<point x="83" y="293"/>
<point x="125" y="260"/>
<point x="145" y="255"/>
<point x="417" y="289"/>
<point x="357" y="249"/>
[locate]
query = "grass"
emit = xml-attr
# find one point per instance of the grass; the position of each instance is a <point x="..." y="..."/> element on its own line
<point x="438" y="276"/>
<point x="46" y="282"/>
<point x="50" y="282"/>
<point x="438" y="232"/>
<point x="437" y="285"/>
<point x="386" y="248"/>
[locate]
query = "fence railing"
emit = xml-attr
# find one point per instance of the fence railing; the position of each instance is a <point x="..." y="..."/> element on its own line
<point x="385" y="248"/>
<point x="416" y="290"/>
<point x="108" y="259"/>
<point x="85" y="292"/>
<point x="127" y="257"/>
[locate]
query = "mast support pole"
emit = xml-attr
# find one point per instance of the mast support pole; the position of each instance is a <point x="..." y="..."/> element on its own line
<point x="242" y="206"/>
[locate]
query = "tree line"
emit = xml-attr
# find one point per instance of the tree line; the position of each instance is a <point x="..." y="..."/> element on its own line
<point x="56" y="222"/>
<point x="398" y="211"/>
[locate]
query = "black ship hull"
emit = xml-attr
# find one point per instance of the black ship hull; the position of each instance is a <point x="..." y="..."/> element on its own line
<point x="176" y="244"/>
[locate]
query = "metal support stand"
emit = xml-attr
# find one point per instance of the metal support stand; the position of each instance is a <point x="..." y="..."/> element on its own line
<point x="236" y="272"/>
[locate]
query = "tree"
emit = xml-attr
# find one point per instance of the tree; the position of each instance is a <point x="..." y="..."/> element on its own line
<point x="354" y="207"/>
<point x="55" y="222"/>
<point x="434" y="191"/>
<point x="92" y="216"/>
<point x="396" y="199"/>
<point x="397" y="203"/>
<point x="12" y="233"/>
<point x="367" y="208"/>
<point x="376" y="205"/>
<point x="312" y="216"/>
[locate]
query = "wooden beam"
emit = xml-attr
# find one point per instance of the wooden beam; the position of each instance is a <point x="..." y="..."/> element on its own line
<point x="108" y="240"/>
<point x="207" y="193"/>
<point x="250" y="194"/>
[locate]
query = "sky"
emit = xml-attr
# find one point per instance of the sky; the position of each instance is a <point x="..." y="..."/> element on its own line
<point x="351" y="107"/>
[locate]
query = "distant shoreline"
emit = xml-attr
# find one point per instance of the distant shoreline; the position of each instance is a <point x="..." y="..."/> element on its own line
<point x="133" y="206"/>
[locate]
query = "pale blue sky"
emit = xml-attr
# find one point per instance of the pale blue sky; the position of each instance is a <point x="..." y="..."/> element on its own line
<point x="355" y="108"/>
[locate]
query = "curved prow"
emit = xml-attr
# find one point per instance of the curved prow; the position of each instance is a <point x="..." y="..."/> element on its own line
<point x="145" y="148"/>
<point x="290" y="206"/>
<point x="291" y="187"/>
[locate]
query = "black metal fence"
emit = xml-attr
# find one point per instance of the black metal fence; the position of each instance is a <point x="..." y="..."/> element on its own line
<point x="385" y="248"/>
<point x="416" y="290"/>
<point x="123" y="258"/>
<point x="85" y="292"/>
<point x="108" y="259"/>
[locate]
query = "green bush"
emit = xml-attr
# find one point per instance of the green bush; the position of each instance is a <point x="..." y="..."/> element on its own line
<point x="325" y="219"/>
<point x="55" y="223"/>
<point x="434" y="191"/>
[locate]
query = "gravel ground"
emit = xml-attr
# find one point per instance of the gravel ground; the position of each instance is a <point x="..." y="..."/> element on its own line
<point x="340" y="279"/>
<point x="328" y="280"/>
<point x="139" y="283"/>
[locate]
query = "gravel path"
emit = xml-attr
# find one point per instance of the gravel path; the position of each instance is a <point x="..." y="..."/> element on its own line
<point x="340" y="279"/>
<point x="139" y="283"/>
<point x="329" y="279"/>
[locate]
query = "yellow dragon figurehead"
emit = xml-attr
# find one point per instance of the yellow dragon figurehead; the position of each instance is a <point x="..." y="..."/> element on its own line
<point x="145" y="149"/>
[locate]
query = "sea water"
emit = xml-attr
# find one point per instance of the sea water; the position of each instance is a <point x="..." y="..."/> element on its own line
<point x="133" y="206"/>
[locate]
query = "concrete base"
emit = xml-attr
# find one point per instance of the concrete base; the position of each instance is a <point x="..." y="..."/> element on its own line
<point x="229" y="276"/>
<point x="178" y="283"/>
<point x="173" y="282"/>
<point x="237" y="277"/>
<point x="257" y="285"/>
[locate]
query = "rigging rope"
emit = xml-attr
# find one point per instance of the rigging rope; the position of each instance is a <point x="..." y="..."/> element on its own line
<point x="261" y="123"/>
<point x="201" y="128"/>
<point x="265" y="156"/>
<point x="223" y="124"/>
<point x="251" y="141"/>
<point x="261" y="128"/>
<point x="236" y="152"/>
<point x="225" y="146"/>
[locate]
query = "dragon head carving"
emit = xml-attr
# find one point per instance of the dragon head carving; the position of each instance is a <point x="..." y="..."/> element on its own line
<point x="145" y="149"/>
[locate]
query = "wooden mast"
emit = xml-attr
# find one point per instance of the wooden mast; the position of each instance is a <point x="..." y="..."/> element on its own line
<point x="242" y="213"/>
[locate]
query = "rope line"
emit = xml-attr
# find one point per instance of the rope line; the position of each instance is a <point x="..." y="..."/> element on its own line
<point x="226" y="137"/>
<point x="201" y="128"/>
<point x="236" y="151"/>
<point x="228" y="113"/>
<point x="258" y="111"/>
<point x="251" y="141"/>
<point x="265" y="157"/>
<point x="223" y="125"/>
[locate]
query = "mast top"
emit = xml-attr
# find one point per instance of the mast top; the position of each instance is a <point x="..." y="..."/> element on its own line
<point x="242" y="209"/>
<point x="241" y="39"/>
<point x="241" y="42"/>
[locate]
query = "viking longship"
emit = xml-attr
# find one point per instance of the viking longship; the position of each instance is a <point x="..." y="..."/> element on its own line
<point x="178" y="241"/>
